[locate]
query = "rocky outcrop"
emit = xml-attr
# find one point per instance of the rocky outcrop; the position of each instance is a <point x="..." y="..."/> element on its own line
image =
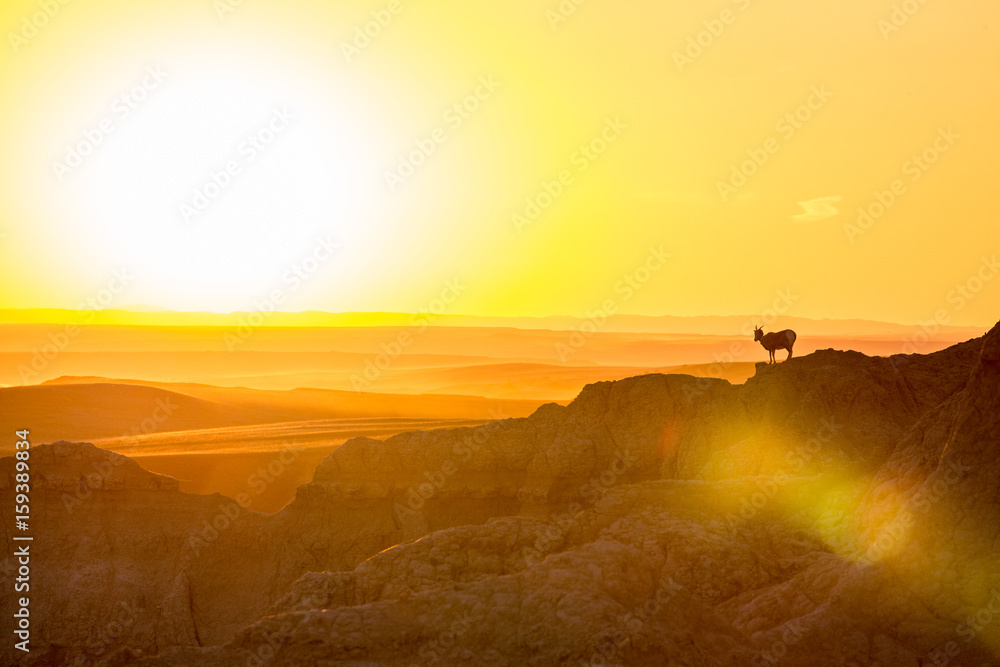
<point x="576" y="606"/>
<point x="659" y="516"/>
<point x="933" y="511"/>
<point x="79" y="469"/>
<point x="105" y="560"/>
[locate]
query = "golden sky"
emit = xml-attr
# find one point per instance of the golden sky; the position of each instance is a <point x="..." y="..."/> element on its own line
<point x="679" y="158"/>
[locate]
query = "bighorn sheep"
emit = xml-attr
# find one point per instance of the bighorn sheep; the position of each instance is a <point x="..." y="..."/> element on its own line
<point x="776" y="340"/>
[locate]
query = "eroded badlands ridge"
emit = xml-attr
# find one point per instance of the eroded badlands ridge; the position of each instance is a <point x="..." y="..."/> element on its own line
<point x="835" y="509"/>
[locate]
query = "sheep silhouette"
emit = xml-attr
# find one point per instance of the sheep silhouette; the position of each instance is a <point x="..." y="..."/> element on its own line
<point x="776" y="340"/>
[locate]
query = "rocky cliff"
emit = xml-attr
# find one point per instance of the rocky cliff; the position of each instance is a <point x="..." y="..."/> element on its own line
<point x="835" y="509"/>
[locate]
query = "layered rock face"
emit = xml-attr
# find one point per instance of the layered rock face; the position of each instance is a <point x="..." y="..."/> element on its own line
<point x="836" y="509"/>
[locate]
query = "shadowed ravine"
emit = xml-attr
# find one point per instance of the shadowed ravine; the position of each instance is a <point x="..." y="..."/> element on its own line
<point x="835" y="509"/>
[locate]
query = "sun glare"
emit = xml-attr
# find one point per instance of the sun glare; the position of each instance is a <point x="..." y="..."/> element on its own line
<point x="229" y="181"/>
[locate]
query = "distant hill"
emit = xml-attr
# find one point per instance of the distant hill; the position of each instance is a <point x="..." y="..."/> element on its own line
<point x="99" y="408"/>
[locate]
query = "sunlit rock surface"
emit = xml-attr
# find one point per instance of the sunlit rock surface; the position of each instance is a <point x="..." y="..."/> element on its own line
<point x="834" y="510"/>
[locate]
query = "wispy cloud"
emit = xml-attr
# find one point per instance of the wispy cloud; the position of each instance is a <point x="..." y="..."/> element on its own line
<point x="818" y="209"/>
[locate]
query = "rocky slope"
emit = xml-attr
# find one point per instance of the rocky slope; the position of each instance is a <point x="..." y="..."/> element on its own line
<point x="835" y="509"/>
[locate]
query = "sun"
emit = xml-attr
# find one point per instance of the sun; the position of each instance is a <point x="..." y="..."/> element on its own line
<point x="215" y="181"/>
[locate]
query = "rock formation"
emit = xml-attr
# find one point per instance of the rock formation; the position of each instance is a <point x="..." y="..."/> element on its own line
<point x="836" y="509"/>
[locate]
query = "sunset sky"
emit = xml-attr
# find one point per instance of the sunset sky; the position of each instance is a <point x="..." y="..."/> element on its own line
<point x="206" y="154"/>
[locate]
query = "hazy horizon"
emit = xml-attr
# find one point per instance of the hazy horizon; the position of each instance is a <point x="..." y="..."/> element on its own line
<point x="137" y="315"/>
